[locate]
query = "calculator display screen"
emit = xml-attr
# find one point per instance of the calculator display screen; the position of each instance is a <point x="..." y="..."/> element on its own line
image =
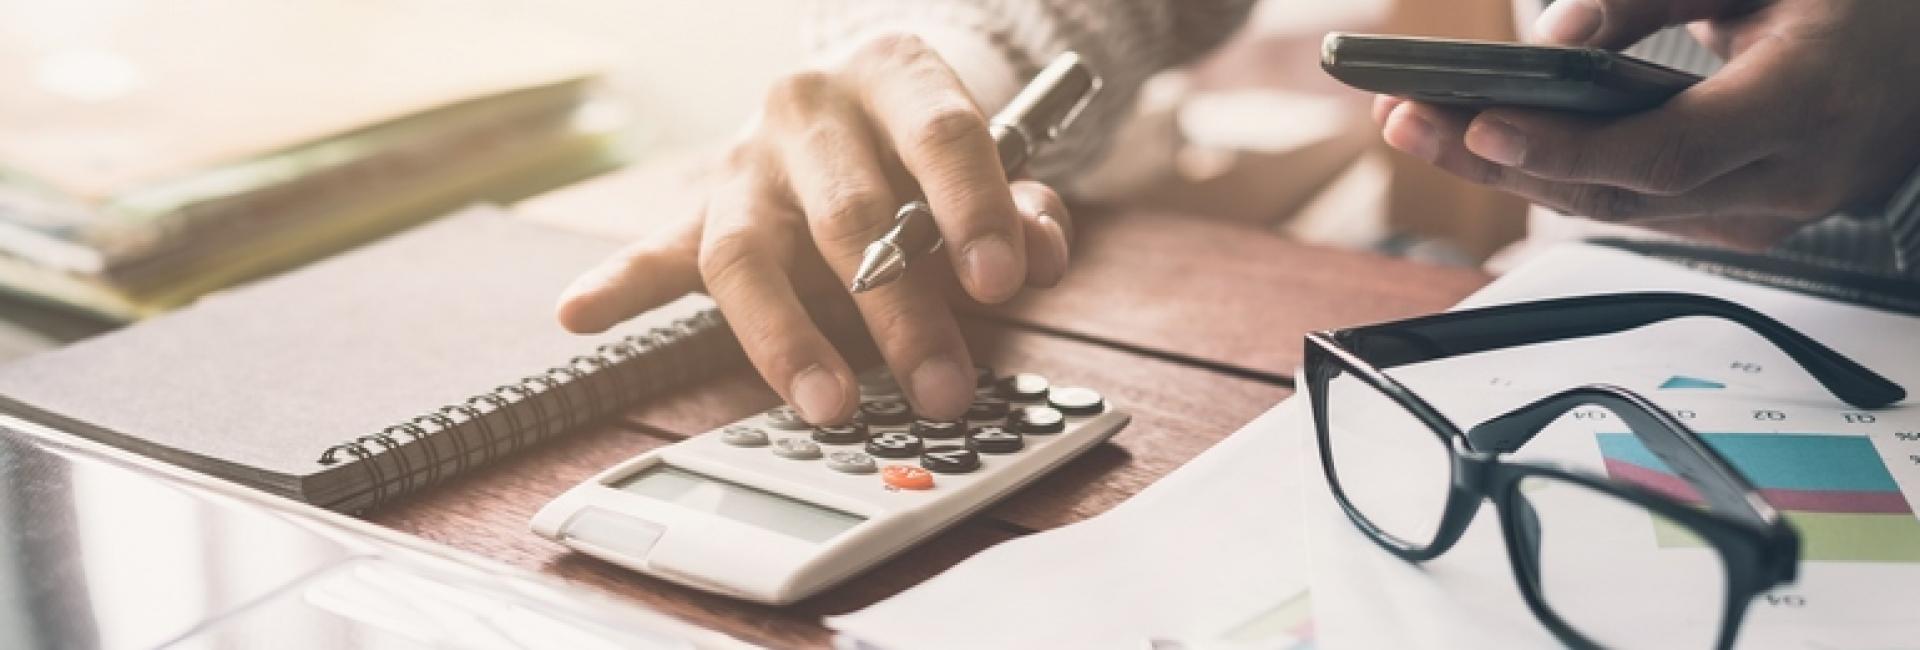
<point x="753" y="506"/>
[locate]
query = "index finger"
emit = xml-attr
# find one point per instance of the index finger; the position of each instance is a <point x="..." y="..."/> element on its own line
<point x="942" y="139"/>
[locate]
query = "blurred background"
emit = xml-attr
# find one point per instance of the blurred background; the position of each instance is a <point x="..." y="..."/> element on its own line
<point x="153" y="152"/>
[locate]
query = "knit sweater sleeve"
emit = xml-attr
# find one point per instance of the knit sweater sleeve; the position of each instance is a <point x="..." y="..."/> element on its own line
<point x="995" y="45"/>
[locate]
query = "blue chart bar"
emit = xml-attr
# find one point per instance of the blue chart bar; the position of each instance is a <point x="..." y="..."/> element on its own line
<point x="1833" y="488"/>
<point x="1683" y="382"/>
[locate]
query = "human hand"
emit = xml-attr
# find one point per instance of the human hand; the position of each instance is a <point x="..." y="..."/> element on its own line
<point x="790" y="208"/>
<point x="1815" y="112"/>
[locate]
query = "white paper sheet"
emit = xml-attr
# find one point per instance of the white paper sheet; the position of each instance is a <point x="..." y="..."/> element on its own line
<point x="1209" y="557"/>
<point x="1719" y="378"/>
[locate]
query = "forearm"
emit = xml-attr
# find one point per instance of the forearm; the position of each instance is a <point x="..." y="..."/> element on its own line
<point x="995" y="45"/>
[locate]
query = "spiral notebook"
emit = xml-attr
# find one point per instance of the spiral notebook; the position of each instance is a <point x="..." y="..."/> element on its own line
<point x="377" y="373"/>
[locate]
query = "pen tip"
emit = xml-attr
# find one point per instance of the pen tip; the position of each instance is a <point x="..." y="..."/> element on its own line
<point x="859" y="286"/>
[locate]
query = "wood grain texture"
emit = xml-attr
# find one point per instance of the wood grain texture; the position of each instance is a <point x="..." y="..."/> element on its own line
<point x="486" y="513"/>
<point x="1225" y="293"/>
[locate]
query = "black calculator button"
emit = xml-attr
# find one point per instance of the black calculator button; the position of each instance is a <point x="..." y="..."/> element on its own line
<point x="995" y="439"/>
<point x="950" y="459"/>
<point x="740" y="435"/>
<point x="983" y="376"/>
<point x="1037" y="420"/>
<point x="894" y="444"/>
<point x="886" y="411"/>
<point x="1076" y="401"/>
<point x="1025" y="387"/>
<point x="987" y="408"/>
<point x="937" y="430"/>
<point x="851" y="433"/>
<point x="785" y="418"/>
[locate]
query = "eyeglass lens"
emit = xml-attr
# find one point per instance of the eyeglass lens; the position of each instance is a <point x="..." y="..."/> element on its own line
<point x="1621" y="575"/>
<point x="1390" y="466"/>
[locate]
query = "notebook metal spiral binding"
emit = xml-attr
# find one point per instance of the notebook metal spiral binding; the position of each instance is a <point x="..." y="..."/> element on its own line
<point x="549" y="396"/>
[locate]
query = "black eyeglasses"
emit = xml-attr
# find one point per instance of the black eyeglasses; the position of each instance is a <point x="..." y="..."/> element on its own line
<point x="1412" y="481"/>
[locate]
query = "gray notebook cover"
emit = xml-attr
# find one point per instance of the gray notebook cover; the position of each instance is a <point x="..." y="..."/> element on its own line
<point x="449" y="327"/>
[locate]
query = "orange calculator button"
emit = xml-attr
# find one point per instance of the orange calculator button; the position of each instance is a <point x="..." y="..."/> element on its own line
<point x="906" y="477"/>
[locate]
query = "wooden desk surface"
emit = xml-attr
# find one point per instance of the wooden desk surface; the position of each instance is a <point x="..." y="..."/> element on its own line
<point x="1194" y="326"/>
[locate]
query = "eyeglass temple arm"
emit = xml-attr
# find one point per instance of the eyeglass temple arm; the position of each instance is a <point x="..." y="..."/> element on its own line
<point x="1724" y="488"/>
<point x="1493" y="328"/>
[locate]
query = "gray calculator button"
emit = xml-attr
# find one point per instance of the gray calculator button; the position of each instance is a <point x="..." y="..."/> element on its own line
<point x="851" y="462"/>
<point x="796" y="448"/>
<point x="785" y="418"/>
<point x="740" y="435"/>
<point x="1076" y="401"/>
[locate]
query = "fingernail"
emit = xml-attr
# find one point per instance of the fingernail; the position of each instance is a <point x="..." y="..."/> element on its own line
<point x="941" y="388"/>
<point x="1056" y="240"/>
<point x="1419" y="137"/>
<point x="1570" y="22"/>
<point x="1497" y="141"/>
<point x="817" y="393"/>
<point x="991" y="267"/>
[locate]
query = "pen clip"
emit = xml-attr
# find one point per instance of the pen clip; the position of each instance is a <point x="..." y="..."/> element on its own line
<point x="1073" y="114"/>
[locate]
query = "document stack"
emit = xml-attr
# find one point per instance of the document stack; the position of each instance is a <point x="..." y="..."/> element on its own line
<point x="153" y="152"/>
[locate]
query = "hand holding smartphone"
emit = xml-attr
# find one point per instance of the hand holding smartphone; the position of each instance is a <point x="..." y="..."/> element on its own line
<point x="1485" y="74"/>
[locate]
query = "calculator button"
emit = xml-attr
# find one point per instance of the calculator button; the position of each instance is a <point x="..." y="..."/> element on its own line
<point x="1076" y="401"/>
<point x="740" y="435"/>
<point x="950" y="459"/>
<point x="906" y="477"/>
<point x="987" y="408"/>
<point x="886" y="411"/>
<point x="995" y="439"/>
<point x="894" y="444"/>
<point x="983" y="376"/>
<point x="1037" y="419"/>
<point x="937" y="430"/>
<point x="796" y="448"/>
<point x="851" y="433"/>
<point x="786" y="419"/>
<point x="1025" y="387"/>
<point x="851" y="462"/>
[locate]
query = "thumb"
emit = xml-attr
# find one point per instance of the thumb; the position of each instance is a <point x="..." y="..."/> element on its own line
<point x="1615" y="24"/>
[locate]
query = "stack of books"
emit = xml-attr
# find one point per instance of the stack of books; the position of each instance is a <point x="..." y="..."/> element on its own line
<point x="153" y="152"/>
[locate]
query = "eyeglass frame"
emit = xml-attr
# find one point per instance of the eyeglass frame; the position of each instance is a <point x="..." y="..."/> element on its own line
<point x="1758" y="548"/>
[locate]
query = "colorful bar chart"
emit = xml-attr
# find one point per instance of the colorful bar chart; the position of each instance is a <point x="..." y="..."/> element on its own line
<point x="1833" y="488"/>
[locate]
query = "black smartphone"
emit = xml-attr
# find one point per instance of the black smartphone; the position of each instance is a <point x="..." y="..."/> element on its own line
<point x="1482" y="74"/>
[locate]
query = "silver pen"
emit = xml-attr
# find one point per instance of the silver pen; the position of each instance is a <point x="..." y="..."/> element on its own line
<point x="1045" y="107"/>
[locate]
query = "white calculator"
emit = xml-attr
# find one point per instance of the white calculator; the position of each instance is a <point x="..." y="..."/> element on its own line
<point x="772" y="509"/>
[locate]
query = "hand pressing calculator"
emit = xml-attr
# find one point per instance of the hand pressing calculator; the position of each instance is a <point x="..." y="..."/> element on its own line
<point x="772" y="509"/>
